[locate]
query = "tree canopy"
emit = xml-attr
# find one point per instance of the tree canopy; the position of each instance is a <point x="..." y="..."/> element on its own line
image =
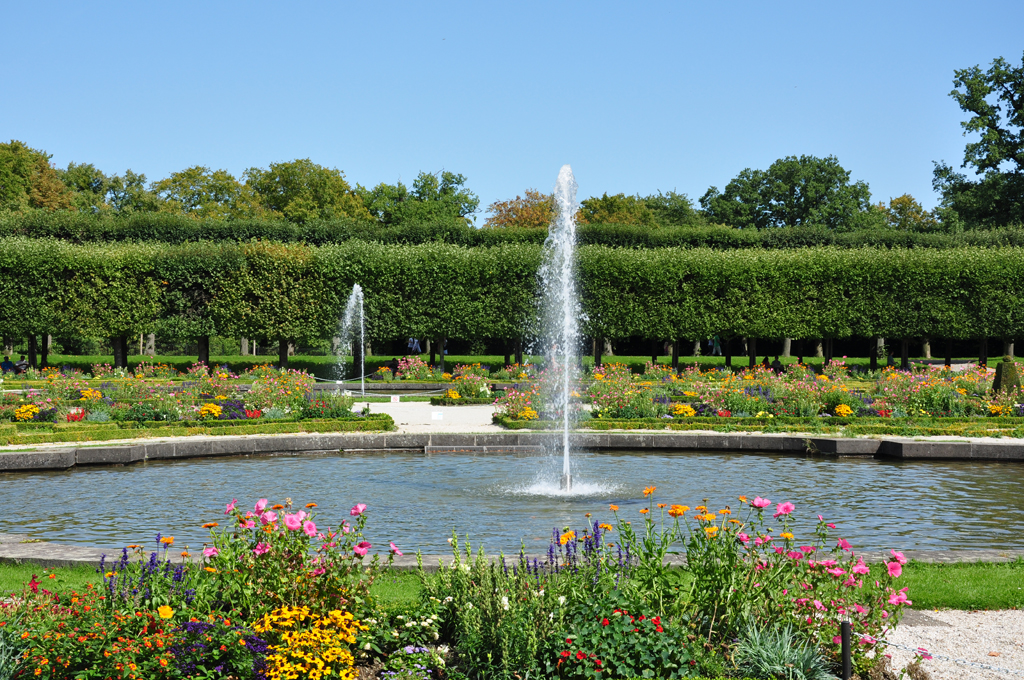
<point x="434" y="197"/>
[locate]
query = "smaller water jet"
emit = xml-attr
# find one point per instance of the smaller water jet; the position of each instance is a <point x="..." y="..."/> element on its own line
<point x="347" y="331"/>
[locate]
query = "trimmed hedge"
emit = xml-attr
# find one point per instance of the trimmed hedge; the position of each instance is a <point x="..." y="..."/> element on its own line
<point x="297" y="292"/>
<point x="445" y="401"/>
<point x="77" y="227"/>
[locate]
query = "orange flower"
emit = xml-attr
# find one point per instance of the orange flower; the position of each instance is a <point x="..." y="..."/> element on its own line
<point x="210" y="525"/>
<point x="163" y="662"/>
<point x="644" y="511"/>
<point x="606" y="527"/>
<point x="677" y="510"/>
<point x="310" y="505"/>
<point x="184" y="553"/>
<point x="613" y="508"/>
<point x="167" y="540"/>
<point x="662" y="505"/>
<point x="743" y="499"/>
<point x="727" y="511"/>
<point x="277" y="506"/>
<point x="566" y="537"/>
<point x="649" y="490"/>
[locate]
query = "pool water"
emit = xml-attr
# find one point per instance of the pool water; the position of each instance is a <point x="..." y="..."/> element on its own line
<point x="505" y="501"/>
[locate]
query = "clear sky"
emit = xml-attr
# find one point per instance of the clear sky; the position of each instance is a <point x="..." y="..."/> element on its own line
<point x="637" y="97"/>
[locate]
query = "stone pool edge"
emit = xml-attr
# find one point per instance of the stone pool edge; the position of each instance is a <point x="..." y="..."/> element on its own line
<point x="503" y="443"/>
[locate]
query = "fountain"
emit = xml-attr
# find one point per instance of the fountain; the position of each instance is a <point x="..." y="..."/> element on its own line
<point x="353" y="308"/>
<point x="561" y="308"/>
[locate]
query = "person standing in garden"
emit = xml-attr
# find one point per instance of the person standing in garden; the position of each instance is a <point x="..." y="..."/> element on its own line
<point x="716" y="346"/>
<point x="7" y="365"/>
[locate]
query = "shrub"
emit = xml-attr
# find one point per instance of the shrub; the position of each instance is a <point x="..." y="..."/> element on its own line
<point x="779" y="653"/>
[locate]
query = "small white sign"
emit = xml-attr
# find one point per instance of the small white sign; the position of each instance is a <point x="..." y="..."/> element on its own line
<point x="395" y="399"/>
<point x="348" y="393"/>
<point x="436" y="415"/>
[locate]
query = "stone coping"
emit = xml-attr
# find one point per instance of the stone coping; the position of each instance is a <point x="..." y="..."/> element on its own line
<point x="20" y="549"/>
<point x="57" y="457"/>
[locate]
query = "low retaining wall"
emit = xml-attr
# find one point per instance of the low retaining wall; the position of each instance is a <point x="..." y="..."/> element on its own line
<point x="504" y="443"/>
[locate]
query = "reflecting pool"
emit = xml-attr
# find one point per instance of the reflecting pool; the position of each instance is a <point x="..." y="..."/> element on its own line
<point x="500" y="501"/>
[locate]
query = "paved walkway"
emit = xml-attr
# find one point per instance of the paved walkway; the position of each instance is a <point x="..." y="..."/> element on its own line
<point x="421" y="418"/>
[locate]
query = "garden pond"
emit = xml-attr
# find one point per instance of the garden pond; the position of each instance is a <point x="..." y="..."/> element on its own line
<point x="503" y="501"/>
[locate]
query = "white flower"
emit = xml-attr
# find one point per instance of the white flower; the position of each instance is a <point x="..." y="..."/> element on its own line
<point x="448" y="599"/>
<point x="561" y="599"/>
<point x="551" y="616"/>
<point x="436" y="635"/>
<point x="504" y="603"/>
<point x="367" y="646"/>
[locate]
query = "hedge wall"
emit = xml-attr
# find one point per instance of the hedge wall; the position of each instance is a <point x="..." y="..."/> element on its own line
<point x="167" y="228"/>
<point x="273" y="291"/>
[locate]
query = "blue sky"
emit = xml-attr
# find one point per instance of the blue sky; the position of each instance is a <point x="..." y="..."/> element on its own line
<point x="637" y="97"/>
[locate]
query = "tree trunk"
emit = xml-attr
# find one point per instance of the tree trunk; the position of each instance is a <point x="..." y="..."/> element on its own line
<point x="675" y="355"/>
<point x="905" y="354"/>
<point x="151" y="345"/>
<point x="432" y="349"/>
<point x="8" y="346"/>
<point x="508" y="354"/>
<point x="787" y="347"/>
<point x="926" y="347"/>
<point x="1008" y="347"/>
<point x="696" y="349"/>
<point x="282" y="352"/>
<point x="245" y="346"/>
<point x="519" y="352"/>
<point x="949" y="352"/>
<point x="752" y="351"/>
<point x="819" y="350"/>
<point x="32" y="350"/>
<point x="608" y="348"/>
<point x="598" y="346"/>
<point x="120" y="344"/>
<point x="983" y="353"/>
<point x="204" y="350"/>
<point x="441" y="342"/>
<point x="654" y="351"/>
<point x="727" y="350"/>
<point x="873" y="353"/>
<point x="44" y="354"/>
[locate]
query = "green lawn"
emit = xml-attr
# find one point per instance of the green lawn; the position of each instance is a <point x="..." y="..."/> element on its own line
<point x="932" y="586"/>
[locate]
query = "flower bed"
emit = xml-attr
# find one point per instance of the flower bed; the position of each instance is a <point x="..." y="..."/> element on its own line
<point x="276" y="593"/>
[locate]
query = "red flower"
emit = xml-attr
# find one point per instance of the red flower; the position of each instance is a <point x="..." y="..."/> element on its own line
<point x="33" y="584"/>
<point x="605" y="622"/>
<point x="580" y="656"/>
<point x="565" y="654"/>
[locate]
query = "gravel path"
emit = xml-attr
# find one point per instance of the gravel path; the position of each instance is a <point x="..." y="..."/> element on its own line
<point x="995" y="638"/>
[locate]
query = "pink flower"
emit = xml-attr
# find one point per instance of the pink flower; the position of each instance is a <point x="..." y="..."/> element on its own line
<point x="837" y="640"/>
<point x="844" y="544"/>
<point x="260" y="504"/>
<point x="819" y="606"/>
<point x="261" y="548"/>
<point x="836" y="571"/>
<point x="362" y="548"/>
<point x="317" y="571"/>
<point x="828" y="563"/>
<point x="230" y="506"/>
<point x="268" y="517"/>
<point x="248" y="524"/>
<point x="760" y="502"/>
<point x="831" y="526"/>
<point x="292" y="522"/>
<point x="394" y="549"/>
<point x="899" y="556"/>
<point x="820" y="518"/>
<point x="899" y="598"/>
<point x="894" y="569"/>
<point x="794" y="555"/>
<point x="807" y="549"/>
<point x="309" y="528"/>
<point x="778" y="549"/>
<point x="357" y="509"/>
<point x="784" y="509"/>
<point x="210" y="552"/>
<point x="743" y="537"/>
<point x="860" y="568"/>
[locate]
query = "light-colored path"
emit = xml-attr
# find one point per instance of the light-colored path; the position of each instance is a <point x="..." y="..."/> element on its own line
<point x="995" y="638"/>
<point x="420" y="417"/>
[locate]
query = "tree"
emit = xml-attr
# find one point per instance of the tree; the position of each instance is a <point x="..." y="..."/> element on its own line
<point x="904" y="213"/>
<point x="617" y="209"/>
<point x="27" y="180"/>
<point x="89" y="186"/>
<point x="534" y="211"/>
<point x="434" y="197"/>
<point x="791" y="192"/>
<point x="199" y="192"/>
<point x="995" y="100"/>
<point x="302" y="191"/>
<point x="673" y="209"/>
<point x="129" y="194"/>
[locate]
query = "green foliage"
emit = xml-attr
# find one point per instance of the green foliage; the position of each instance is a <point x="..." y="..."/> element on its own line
<point x="302" y="191"/>
<point x="1007" y="378"/>
<point x="779" y="654"/>
<point x="617" y="209"/>
<point x="440" y="197"/>
<point x="791" y="192"/>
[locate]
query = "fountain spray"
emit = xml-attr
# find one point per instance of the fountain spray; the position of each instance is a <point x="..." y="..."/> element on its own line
<point x="561" y="307"/>
<point x="354" y="308"/>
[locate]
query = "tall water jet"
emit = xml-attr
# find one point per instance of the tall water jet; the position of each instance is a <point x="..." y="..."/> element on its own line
<point x="561" y="309"/>
<point x="354" y="311"/>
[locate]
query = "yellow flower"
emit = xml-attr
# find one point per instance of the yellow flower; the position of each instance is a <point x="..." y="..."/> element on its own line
<point x="678" y="510"/>
<point x="167" y="540"/>
<point x="527" y="414"/>
<point x="711" y="531"/>
<point x="649" y="490"/>
<point x="165" y="612"/>
<point x="844" y="411"/>
<point x="786" y="535"/>
<point x="684" y="410"/>
<point x="566" y="537"/>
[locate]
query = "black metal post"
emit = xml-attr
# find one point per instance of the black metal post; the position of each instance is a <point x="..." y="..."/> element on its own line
<point x="845" y="633"/>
